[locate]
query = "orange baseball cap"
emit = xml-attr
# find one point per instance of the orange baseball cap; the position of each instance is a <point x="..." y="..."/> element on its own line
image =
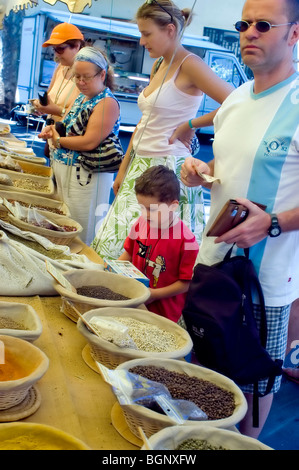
<point x="63" y="32"/>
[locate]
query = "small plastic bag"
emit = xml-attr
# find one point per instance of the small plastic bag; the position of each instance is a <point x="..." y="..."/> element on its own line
<point x="113" y="331"/>
<point x="133" y="389"/>
<point x="33" y="217"/>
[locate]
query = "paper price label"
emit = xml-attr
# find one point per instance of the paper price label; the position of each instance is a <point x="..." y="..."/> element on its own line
<point x="59" y="277"/>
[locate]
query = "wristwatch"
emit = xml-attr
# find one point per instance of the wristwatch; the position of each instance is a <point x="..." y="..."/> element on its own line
<point x="274" y="229"/>
<point x="58" y="144"/>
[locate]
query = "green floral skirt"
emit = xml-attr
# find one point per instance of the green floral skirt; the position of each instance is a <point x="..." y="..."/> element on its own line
<point x="124" y="211"/>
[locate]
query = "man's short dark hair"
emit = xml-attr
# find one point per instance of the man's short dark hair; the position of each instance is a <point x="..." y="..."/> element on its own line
<point x="293" y="10"/>
<point x="160" y="182"/>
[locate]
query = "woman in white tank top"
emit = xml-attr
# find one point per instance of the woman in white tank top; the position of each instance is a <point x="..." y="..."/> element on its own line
<point x="178" y="81"/>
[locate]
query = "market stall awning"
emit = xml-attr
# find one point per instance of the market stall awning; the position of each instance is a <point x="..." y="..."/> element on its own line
<point x="6" y="6"/>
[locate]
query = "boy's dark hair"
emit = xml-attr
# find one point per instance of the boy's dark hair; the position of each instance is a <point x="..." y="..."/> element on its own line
<point x="160" y="182"/>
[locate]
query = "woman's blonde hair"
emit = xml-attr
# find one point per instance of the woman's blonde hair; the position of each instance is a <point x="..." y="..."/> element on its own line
<point x="164" y="12"/>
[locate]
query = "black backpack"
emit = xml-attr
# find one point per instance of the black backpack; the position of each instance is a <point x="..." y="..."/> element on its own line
<point x="218" y="313"/>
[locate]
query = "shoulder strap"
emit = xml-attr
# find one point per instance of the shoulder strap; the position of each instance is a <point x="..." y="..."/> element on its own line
<point x="254" y="285"/>
<point x="158" y="63"/>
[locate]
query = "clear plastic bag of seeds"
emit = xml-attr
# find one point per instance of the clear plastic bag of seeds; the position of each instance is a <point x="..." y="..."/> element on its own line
<point x="133" y="389"/>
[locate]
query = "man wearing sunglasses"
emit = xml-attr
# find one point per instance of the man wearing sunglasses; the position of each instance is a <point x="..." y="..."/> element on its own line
<point x="256" y="157"/>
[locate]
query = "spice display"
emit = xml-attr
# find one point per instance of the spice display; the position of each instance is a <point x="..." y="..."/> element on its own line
<point x="9" y="164"/>
<point x="9" y="324"/>
<point x="100" y="292"/>
<point x="197" y="444"/>
<point x="45" y="223"/>
<point x="215" y="401"/>
<point x="28" y="183"/>
<point x="38" y="207"/>
<point x="6" y="180"/>
<point x="24" y="442"/>
<point x="52" y="254"/>
<point x="149" y="338"/>
<point x="11" y="369"/>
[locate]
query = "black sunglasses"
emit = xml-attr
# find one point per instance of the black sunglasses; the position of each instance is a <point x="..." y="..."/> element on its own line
<point x="261" y="26"/>
<point x="149" y="2"/>
<point x="60" y="49"/>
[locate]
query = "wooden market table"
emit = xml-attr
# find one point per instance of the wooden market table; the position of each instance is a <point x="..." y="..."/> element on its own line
<point x="74" y="397"/>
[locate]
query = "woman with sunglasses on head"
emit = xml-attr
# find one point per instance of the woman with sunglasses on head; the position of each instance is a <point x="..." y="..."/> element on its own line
<point x="85" y="187"/>
<point x="66" y="40"/>
<point x="177" y="84"/>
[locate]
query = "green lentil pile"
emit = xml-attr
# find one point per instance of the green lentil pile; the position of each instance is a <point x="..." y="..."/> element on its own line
<point x="52" y="254"/>
<point x="197" y="444"/>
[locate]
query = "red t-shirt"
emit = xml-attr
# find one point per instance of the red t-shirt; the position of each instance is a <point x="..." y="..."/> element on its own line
<point x="164" y="256"/>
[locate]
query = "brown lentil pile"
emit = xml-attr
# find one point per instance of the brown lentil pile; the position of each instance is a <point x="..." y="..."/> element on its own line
<point x="27" y="183"/>
<point x="149" y="338"/>
<point x="38" y="206"/>
<point x="56" y="228"/>
<point x="197" y="444"/>
<point x="9" y="324"/>
<point x="215" y="401"/>
<point x="100" y="292"/>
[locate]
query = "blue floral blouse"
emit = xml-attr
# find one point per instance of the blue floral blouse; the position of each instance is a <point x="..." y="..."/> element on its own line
<point x="76" y="123"/>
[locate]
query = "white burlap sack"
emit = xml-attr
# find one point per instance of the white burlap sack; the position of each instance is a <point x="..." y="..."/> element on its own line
<point x="23" y="270"/>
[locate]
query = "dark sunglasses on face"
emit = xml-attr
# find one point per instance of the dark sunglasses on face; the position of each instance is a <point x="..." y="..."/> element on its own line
<point x="261" y="26"/>
<point x="60" y="49"/>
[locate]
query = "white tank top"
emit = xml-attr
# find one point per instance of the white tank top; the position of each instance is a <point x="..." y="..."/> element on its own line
<point x="171" y="108"/>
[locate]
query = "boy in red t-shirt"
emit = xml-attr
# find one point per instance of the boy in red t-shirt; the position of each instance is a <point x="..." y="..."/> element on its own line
<point x="160" y="244"/>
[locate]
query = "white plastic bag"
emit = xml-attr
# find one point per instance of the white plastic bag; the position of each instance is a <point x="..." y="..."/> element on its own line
<point x="23" y="270"/>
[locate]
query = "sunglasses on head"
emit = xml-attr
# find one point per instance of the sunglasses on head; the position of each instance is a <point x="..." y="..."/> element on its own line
<point x="60" y="49"/>
<point x="149" y="2"/>
<point x="261" y="26"/>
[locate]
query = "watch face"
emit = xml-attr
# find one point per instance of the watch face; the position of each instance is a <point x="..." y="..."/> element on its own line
<point x="275" y="232"/>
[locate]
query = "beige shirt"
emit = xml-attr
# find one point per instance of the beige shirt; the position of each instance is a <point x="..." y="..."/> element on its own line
<point x="63" y="90"/>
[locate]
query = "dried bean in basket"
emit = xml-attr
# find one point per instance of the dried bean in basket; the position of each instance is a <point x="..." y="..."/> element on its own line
<point x="197" y="444"/>
<point x="8" y="323"/>
<point x="215" y="401"/>
<point x="100" y="292"/>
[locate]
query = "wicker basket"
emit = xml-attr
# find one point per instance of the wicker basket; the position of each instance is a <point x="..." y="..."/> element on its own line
<point x="59" y="238"/>
<point x="152" y="422"/>
<point x="35" y="169"/>
<point x="34" y="200"/>
<point x="111" y="355"/>
<point x="34" y="362"/>
<point x="170" y="438"/>
<point x="33" y="436"/>
<point x="26" y="316"/>
<point x="137" y="292"/>
<point x="45" y="182"/>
